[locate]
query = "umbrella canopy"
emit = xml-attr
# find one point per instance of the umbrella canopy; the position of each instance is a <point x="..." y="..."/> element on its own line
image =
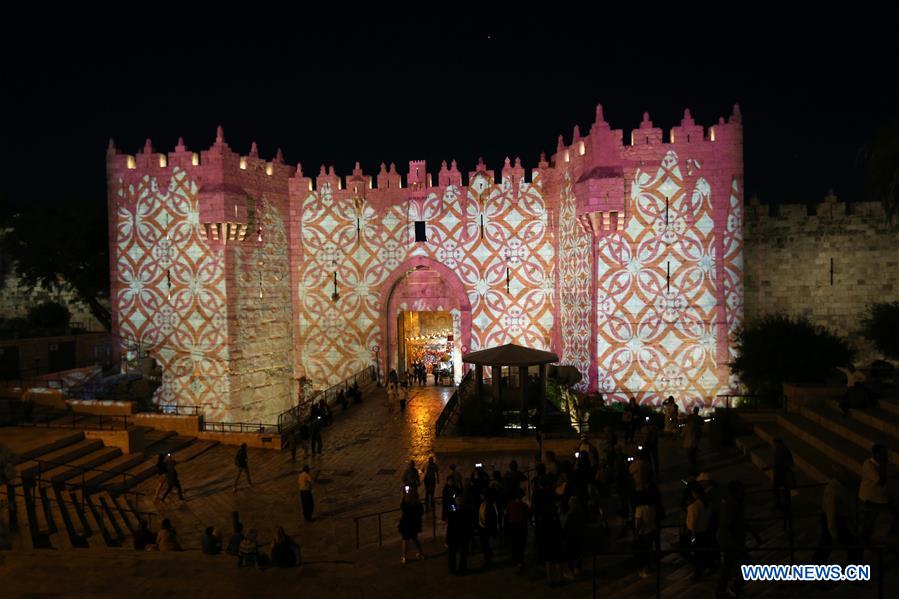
<point x="510" y="355"/>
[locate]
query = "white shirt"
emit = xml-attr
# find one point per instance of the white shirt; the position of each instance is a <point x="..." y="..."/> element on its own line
<point x="870" y="490"/>
<point x="304" y="481"/>
<point x="697" y="517"/>
<point x="852" y="378"/>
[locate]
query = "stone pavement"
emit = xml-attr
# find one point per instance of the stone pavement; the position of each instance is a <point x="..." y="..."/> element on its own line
<point x="366" y="450"/>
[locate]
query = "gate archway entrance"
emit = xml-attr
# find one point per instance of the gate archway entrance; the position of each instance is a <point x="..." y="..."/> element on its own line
<point x="425" y="300"/>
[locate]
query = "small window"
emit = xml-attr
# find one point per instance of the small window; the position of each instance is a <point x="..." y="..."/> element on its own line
<point x="420" y="233"/>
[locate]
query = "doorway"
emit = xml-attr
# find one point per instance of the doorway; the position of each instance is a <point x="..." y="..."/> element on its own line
<point x="427" y="344"/>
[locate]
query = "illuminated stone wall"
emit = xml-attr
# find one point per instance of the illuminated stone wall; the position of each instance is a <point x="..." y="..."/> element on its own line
<point x="849" y="256"/>
<point x="242" y="275"/>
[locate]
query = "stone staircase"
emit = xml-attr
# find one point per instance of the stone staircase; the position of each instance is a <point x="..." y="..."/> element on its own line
<point x="77" y="493"/>
<point x="821" y="438"/>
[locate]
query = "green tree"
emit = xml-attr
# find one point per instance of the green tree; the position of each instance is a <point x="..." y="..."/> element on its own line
<point x="48" y="315"/>
<point x="778" y="349"/>
<point x="880" y="163"/>
<point x="59" y="244"/>
<point x="881" y="326"/>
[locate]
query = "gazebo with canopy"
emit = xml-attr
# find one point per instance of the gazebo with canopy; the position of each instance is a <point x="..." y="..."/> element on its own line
<point x="511" y="355"/>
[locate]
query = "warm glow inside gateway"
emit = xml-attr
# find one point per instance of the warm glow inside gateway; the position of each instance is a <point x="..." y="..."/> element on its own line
<point x="427" y="337"/>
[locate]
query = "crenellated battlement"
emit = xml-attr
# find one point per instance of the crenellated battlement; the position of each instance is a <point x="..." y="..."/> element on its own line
<point x="830" y="213"/>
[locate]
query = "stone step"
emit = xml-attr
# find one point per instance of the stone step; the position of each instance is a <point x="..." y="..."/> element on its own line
<point x="878" y="418"/>
<point x="853" y="429"/>
<point x="761" y="454"/>
<point x="153" y="436"/>
<point x="129" y="516"/>
<point x="117" y="526"/>
<point x="59" y="533"/>
<point x="24" y="536"/>
<point x="84" y="508"/>
<point x="138" y="473"/>
<point x="73" y="470"/>
<point x="171" y="444"/>
<point x="82" y="522"/>
<point x="196" y="447"/>
<point x="52" y="446"/>
<point x="889" y="404"/>
<point x="70" y="524"/>
<point x="101" y="521"/>
<point x="112" y="469"/>
<point x="58" y="457"/>
<point x="825" y="441"/>
<point x="815" y="464"/>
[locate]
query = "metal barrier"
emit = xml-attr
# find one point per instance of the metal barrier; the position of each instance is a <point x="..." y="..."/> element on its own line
<point x="454" y="404"/>
<point x="240" y="427"/>
<point x="432" y="511"/>
<point x="293" y="417"/>
<point x="85" y="421"/>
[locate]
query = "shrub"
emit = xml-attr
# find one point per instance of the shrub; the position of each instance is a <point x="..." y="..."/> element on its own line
<point x="49" y="315"/>
<point x="778" y="349"/>
<point x="881" y="327"/>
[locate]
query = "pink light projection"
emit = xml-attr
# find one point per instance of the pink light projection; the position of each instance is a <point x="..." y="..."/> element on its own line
<point x="242" y="275"/>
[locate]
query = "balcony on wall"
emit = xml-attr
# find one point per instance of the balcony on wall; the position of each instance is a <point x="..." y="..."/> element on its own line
<point x="600" y="200"/>
<point x="227" y="214"/>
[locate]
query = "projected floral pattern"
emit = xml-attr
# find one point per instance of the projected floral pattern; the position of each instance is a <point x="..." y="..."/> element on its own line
<point x="171" y="290"/>
<point x="656" y="292"/>
<point x="479" y="232"/>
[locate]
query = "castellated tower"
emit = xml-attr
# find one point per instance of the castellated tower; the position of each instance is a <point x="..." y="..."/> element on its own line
<point x="200" y="278"/>
<point x="241" y="276"/>
<point x="651" y="280"/>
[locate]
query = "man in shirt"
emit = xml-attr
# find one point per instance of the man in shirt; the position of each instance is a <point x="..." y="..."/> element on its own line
<point x="872" y="492"/>
<point x="835" y="520"/>
<point x="855" y="389"/>
<point x="304" y="483"/>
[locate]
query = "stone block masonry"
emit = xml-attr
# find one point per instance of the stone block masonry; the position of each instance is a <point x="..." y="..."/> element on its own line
<point x="828" y="262"/>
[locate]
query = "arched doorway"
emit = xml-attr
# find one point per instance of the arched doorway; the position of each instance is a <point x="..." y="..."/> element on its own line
<point x="424" y="293"/>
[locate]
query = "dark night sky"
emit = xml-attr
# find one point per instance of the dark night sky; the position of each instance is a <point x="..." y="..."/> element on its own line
<point x="813" y="84"/>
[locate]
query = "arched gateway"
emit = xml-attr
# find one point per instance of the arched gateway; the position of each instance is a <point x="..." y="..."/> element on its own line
<point x="424" y="307"/>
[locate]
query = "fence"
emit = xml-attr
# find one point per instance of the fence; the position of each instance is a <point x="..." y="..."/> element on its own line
<point x="431" y="511"/>
<point x="291" y="418"/>
<point x="451" y="409"/>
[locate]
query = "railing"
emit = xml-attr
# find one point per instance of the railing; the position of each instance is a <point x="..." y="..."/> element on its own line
<point x="240" y="427"/>
<point x="452" y="406"/>
<point x="13" y="515"/>
<point x="86" y="421"/>
<point x="748" y="402"/>
<point x="42" y="464"/>
<point x="180" y="410"/>
<point x="425" y="509"/>
<point x="291" y="418"/>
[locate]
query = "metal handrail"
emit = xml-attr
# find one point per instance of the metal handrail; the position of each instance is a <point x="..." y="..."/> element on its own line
<point x="112" y="419"/>
<point x="291" y="418"/>
<point x="54" y="463"/>
<point x="451" y="407"/>
<point x="378" y="515"/>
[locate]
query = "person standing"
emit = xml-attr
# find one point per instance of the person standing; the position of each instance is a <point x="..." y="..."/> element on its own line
<point x="304" y="483"/>
<point x="292" y="442"/>
<point x="411" y="478"/>
<point x="516" y="526"/>
<point x="669" y="407"/>
<point x="242" y="461"/>
<point x="697" y="526"/>
<point x="629" y="417"/>
<point x="783" y="477"/>
<point x="836" y="522"/>
<point x="692" y="435"/>
<point x="161" y="471"/>
<point x="171" y="476"/>
<point x="458" y="535"/>
<point x="315" y="428"/>
<point x="432" y="478"/>
<point x="732" y="539"/>
<point x="410" y="522"/>
<point x="872" y="492"/>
